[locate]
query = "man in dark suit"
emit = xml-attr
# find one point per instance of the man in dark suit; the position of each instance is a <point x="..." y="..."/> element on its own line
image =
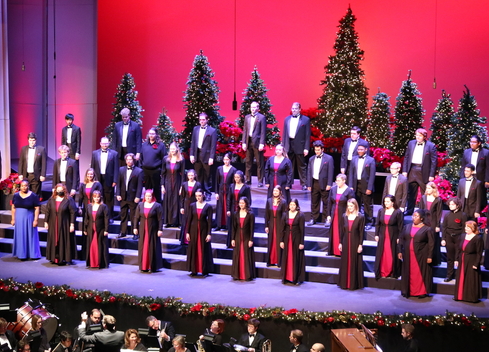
<point x="350" y="147"/>
<point x="7" y="336"/>
<point x="92" y="324"/>
<point x="479" y="157"/>
<point x="65" y="342"/>
<point x="319" y="180"/>
<point x="471" y="193"/>
<point x="65" y="170"/>
<point x="296" y="139"/>
<point x="162" y="330"/>
<point x="361" y="178"/>
<point x="32" y="164"/>
<point x="253" y="143"/>
<point x="108" y="340"/>
<point x="127" y="137"/>
<point x="253" y="339"/>
<point x="130" y="186"/>
<point x="105" y="164"/>
<point x="419" y="166"/>
<point x="296" y="344"/>
<point x="203" y="151"/>
<point x="396" y="185"/>
<point x="71" y="137"/>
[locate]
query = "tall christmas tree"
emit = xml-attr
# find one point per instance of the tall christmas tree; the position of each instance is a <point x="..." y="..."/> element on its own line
<point x="441" y="120"/>
<point x="344" y="100"/>
<point x="465" y="123"/>
<point x="257" y="91"/>
<point x="125" y="97"/>
<point x="408" y="116"/>
<point x="202" y="95"/>
<point x="378" y="132"/>
<point x="167" y="132"/>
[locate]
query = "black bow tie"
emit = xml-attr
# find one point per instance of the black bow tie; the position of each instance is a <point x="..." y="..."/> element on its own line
<point x="394" y="176"/>
<point x="129" y="168"/>
<point x="253" y="116"/>
<point x="68" y="126"/>
<point x="354" y="141"/>
<point x="319" y="156"/>
<point x="203" y="128"/>
<point x="469" y="179"/>
<point x="420" y="143"/>
<point x="475" y="150"/>
<point x="295" y="116"/>
<point x="252" y="335"/>
<point x="32" y="147"/>
<point x="125" y="123"/>
<point x="104" y="151"/>
<point x="63" y="159"/>
<point x="361" y="157"/>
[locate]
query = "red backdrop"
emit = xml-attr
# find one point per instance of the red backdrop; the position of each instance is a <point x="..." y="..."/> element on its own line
<point x="289" y="41"/>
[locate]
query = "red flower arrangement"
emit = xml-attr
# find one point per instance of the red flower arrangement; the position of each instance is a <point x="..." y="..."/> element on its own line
<point x="11" y="184"/>
<point x="231" y="139"/>
<point x="39" y="285"/>
<point x="385" y="157"/>
<point x="444" y="188"/>
<point x="312" y="113"/>
<point x="443" y="159"/>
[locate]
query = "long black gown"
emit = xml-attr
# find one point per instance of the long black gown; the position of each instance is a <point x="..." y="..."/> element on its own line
<point x="282" y="176"/>
<point x="293" y="258"/>
<point x="433" y="219"/>
<point x="83" y="200"/>
<point x="232" y="206"/>
<point x="243" y="267"/>
<point x="199" y="252"/>
<point x="187" y="197"/>
<point x="171" y="178"/>
<point x="222" y="189"/>
<point x="468" y="286"/>
<point x="351" y="264"/>
<point x="97" y="243"/>
<point x="336" y="209"/>
<point x="148" y="224"/>
<point x="386" y="258"/>
<point x="273" y="220"/>
<point x="61" y="245"/>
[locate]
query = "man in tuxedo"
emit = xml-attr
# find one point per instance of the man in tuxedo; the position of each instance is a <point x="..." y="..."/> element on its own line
<point x="479" y="157"/>
<point x="296" y="139"/>
<point x="319" y="180"/>
<point x="411" y="344"/>
<point x="419" y="166"/>
<point x="32" y="164"/>
<point x="253" y="143"/>
<point x="105" y="164"/>
<point x="296" y="344"/>
<point x="203" y="151"/>
<point x="65" y="340"/>
<point x="471" y="194"/>
<point x="71" y="137"/>
<point x="162" y="330"/>
<point x="129" y="193"/>
<point x="350" y="147"/>
<point x="7" y="336"/>
<point x="127" y="137"/>
<point x="253" y="339"/>
<point x="65" y="171"/>
<point x="318" y="347"/>
<point x="396" y="185"/>
<point x="94" y="320"/>
<point x="108" y="340"/>
<point x="361" y="178"/>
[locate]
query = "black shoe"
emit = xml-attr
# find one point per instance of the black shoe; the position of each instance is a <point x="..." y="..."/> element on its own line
<point x="447" y="279"/>
<point x="304" y="188"/>
<point x="121" y="235"/>
<point x="368" y="227"/>
<point x="422" y="296"/>
<point x="260" y="185"/>
<point x="311" y="222"/>
<point x="111" y="221"/>
<point x="135" y="237"/>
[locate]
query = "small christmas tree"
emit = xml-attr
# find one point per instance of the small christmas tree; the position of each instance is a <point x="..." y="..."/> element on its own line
<point x="344" y="100"/>
<point x="408" y="116"/>
<point x="256" y="91"/>
<point x="466" y="122"/>
<point x="125" y="98"/>
<point x="167" y="132"/>
<point x="441" y="120"/>
<point x="378" y="132"/>
<point x="202" y="95"/>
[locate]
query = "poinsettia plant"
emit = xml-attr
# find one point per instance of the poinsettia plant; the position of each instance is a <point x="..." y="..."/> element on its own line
<point x="11" y="184"/>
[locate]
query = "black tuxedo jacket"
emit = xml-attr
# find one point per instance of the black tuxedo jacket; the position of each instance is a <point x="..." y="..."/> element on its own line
<point x="111" y="169"/>
<point x="476" y="201"/>
<point x="134" y="186"/>
<point x="300" y="348"/>
<point x="104" y="341"/>
<point x="72" y="174"/>
<point x="257" y="341"/>
<point x="75" y="138"/>
<point x="39" y="161"/>
<point x="368" y="175"/>
<point x="346" y="148"/>
<point x="208" y="150"/>
<point x="326" y="171"/>
<point x="134" y="138"/>
<point x="259" y="134"/>
<point x="482" y="167"/>
<point x="430" y="159"/>
<point x="302" y="140"/>
<point x="401" y="190"/>
<point x="167" y="326"/>
<point x="9" y="334"/>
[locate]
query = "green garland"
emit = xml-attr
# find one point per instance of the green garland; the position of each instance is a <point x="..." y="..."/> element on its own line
<point x="218" y="310"/>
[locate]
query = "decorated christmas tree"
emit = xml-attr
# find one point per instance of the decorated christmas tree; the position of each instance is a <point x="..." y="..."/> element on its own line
<point x="257" y="91"/>
<point x="202" y="95"/>
<point x="465" y="123"/>
<point x="125" y="97"/>
<point x="408" y="116"/>
<point x="344" y="100"/>
<point x="441" y="121"/>
<point x="378" y="132"/>
<point x="167" y="132"/>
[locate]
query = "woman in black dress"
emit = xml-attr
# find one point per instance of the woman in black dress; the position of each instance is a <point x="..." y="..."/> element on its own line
<point x="468" y="286"/>
<point x="389" y="223"/>
<point x="187" y="197"/>
<point x="432" y="203"/>
<point x="148" y="224"/>
<point x="87" y="187"/>
<point x="96" y="228"/>
<point x="415" y="250"/>
<point x="274" y="226"/>
<point x="151" y="158"/>
<point x="198" y="235"/>
<point x="352" y="233"/>
<point x="279" y="171"/>
<point x="172" y="171"/>
<point x="243" y="253"/>
<point x="59" y="220"/>
<point x="237" y="190"/>
<point x="224" y="179"/>
<point x="292" y="243"/>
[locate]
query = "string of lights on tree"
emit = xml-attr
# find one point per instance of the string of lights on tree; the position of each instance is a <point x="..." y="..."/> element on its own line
<point x="441" y="121"/>
<point x="166" y="131"/>
<point x="378" y="132"/>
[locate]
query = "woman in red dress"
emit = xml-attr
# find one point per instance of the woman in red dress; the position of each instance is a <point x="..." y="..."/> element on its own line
<point x="275" y="208"/>
<point x="96" y="228"/>
<point x="243" y="253"/>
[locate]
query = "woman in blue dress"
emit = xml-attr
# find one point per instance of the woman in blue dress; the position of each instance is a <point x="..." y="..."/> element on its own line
<point x="25" y="213"/>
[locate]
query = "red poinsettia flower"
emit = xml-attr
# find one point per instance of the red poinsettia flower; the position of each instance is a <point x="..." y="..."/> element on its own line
<point x="155" y="146"/>
<point x="112" y="299"/>
<point x="458" y="221"/>
<point x="154" y="306"/>
<point x="69" y="293"/>
<point x="39" y="285"/>
<point x="98" y="299"/>
<point x="246" y="317"/>
<point x="196" y="308"/>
